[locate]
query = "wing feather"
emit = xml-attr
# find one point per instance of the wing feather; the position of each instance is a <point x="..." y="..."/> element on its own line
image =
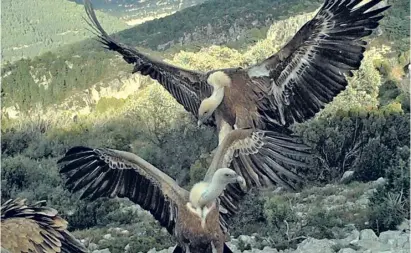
<point x="310" y="70"/>
<point x="112" y="173"/>
<point x="188" y="87"/>
<point x="35" y="228"/>
<point x="262" y="158"/>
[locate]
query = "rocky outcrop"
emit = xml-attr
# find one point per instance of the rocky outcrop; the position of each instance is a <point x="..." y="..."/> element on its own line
<point x="364" y="241"/>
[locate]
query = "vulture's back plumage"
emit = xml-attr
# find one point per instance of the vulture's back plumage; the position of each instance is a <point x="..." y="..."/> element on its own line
<point x="35" y="228"/>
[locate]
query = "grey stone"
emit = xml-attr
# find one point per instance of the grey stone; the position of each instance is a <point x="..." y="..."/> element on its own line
<point x="347" y="250"/>
<point x="268" y="249"/>
<point x="101" y="251"/>
<point x="404" y="226"/>
<point x="234" y="242"/>
<point x="368" y="234"/>
<point x="380" y="181"/>
<point x="348" y="235"/>
<point x="368" y="240"/>
<point x="127" y="248"/>
<point x="314" y="245"/>
<point x="390" y="238"/>
<point x="404" y="241"/>
<point x="347" y="177"/>
<point x="107" y="236"/>
<point x="84" y="242"/>
<point x="92" y="246"/>
<point x="247" y="240"/>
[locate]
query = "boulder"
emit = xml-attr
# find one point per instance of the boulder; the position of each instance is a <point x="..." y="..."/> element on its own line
<point x="347" y="177"/>
<point x="92" y="246"/>
<point x="101" y="251"/>
<point x="107" y="236"/>
<point x="310" y="245"/>
<point x="347" y="250"/>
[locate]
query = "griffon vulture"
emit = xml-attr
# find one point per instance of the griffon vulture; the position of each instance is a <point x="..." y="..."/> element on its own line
<point x="288" y="87"/>
<point x="35" y="228"/>
<point x="112" y="173"/>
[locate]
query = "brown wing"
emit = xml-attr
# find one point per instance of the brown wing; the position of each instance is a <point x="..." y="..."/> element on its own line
<point x="263" y="158"/>
<point x="35" y="228"/>
<point x="188" y="87"/>
<point x="113" y="173"/>
<point x="308" y="72"/>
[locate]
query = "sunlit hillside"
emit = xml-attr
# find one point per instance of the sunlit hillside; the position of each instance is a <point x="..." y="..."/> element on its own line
<point x="30" y="28"/>
<point x="134" y="12"/>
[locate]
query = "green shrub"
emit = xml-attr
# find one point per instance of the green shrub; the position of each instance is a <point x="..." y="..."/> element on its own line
<point x="250" y="219"/>
<point x="365" y="142"/>
<point x="383" y="66"/>
<point x="106" y="104"/>
<point x="390" y="204"/>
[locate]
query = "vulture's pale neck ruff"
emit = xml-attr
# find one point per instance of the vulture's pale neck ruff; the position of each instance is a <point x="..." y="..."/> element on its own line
<point x="205" y="193"/>
<point x="218" y="80"/>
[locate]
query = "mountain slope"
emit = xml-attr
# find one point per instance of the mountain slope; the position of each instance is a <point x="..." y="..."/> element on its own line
<point x="30" y="28"/>
<point x="53" y="77"/>
<point x="214" y="22"/>
<point x="139" y="11"/>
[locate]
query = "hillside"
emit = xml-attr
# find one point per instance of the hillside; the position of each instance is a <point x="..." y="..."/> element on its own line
<point x="79" y="66"/>
<point x="213" y="22"/>
<point x="135" y="12"/>
<point x="30" y="28"/>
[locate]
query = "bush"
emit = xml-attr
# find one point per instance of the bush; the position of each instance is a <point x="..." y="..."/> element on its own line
<point x="365" y="142"/>
<point x="390" y="204"/>
<point x="250" y="219"/>
<point x="106" y="104"/>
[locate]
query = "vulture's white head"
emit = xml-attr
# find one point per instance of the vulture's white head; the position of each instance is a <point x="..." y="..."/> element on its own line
<point x="218" y="80"/>
<point x="225" y="176"/>
<point x="204" y="193"/>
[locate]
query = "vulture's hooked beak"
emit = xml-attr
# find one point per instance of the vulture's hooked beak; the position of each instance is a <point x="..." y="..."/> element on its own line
<point x="201" y="120"/>
<point x="199" y="123"/>
<point x="241" y="181"/>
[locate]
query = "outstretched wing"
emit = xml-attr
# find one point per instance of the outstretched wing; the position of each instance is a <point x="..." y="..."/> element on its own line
<point x="113" y="173"/>
<point x="188" y="87"/>
<point x="309" y="71"/>
<point x="262" y="158"/>
<point x="35" y="228"/>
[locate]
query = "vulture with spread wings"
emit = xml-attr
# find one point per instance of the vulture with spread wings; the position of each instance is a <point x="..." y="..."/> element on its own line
<point x="35" y="228"/>
<point x="288" y="87"/>
<point x="103" y="172"/>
